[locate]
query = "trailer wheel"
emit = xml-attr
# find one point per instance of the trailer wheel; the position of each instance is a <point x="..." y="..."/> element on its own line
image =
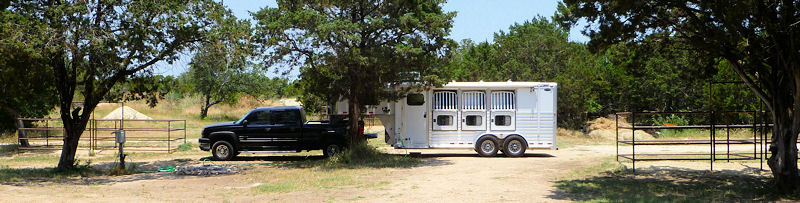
<point x="222" y="151"/>
<point x="486" y="146"/>
<point x="331" y="150"/>
<point x="514" y="146"/>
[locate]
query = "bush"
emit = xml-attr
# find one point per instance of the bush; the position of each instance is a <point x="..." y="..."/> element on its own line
<point x="186" y="147"/>
<point x="361" y="156"/>
<point x="672" y="119"/>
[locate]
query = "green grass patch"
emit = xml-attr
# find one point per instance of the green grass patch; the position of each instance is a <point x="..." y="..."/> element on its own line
<point x="188" y="146"/>
<point x="282" y="180"/>
<point x="607" y="165"/>
<point x="704" y="133"/>
<point x="7" y="149"/>
<point x="46" y="174"/>
<point x="609" y="182"/>
<point x="279" y="187"/>
<point x="365" y="156"/>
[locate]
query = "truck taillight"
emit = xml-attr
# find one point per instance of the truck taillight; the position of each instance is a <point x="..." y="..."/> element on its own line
<point x="360" y="130"/>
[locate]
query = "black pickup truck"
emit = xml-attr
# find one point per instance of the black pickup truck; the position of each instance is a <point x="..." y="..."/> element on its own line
<point x="274" y="129"/>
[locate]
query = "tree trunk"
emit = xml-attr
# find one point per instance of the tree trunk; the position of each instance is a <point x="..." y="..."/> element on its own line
<point x="207" y="105"/>
<point x="74" y="125"/>
<point x="73" y="132"/>
<point x="783" y="161"/>
<point x="355" y="116"/>
<point x="204" y="108"/>
<point x="21" y="134"/>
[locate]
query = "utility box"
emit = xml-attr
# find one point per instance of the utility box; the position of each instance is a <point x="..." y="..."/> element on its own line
<point x="119" y="136"/>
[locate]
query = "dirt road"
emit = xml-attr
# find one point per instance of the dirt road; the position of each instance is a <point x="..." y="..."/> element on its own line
<point x="444" y="175"/>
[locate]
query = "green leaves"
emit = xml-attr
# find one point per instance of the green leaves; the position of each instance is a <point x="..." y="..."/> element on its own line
<point x="354" y="48"/>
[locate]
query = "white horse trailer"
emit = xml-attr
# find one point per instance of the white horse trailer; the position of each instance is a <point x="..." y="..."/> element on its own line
<point x="486" y="116"/>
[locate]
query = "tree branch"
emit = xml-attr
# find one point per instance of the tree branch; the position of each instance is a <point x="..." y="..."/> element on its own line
<point x="737" y="67"/>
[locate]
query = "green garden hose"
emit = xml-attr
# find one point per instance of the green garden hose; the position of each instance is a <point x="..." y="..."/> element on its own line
<point x="166" y="169"/>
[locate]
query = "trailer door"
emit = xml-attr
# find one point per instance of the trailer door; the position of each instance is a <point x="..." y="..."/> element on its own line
<point x="414" y="126"/>
<point x="503" y="108"/>
<point x="445" y="110"/>
<point x="473" y="107"/>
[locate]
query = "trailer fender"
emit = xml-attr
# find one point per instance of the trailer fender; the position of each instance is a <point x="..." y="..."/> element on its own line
<point x="517" y="135"/>
<point x="475" y="140"/>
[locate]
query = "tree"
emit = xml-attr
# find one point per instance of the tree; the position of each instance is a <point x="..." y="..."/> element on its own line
<point x="757" y="38"/>
<point x="219" y="69"/>
<point x="535" y="50"/>
<point x="360" y="50"/>
<point x="27" y="86"/>
<point x="94" y="45"/>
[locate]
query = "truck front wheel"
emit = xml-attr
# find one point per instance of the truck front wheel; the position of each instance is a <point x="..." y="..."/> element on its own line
<point x="331" y="150"/>
<point x="222" y="151"/>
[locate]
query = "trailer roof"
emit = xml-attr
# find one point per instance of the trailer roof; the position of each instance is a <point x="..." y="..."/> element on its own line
<point x="499" y="84"/>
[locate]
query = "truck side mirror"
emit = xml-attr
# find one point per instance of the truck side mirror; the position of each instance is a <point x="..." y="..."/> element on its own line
<point x="244" y="123"/>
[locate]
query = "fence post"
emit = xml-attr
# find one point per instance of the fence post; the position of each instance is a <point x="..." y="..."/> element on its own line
<point x="633" y="142"/>
<point x="712" y="139"/>
<point x="169" y="140"/>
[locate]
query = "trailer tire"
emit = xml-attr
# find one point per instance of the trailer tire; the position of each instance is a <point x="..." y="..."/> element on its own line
<point x="514" y="146"/>
<point x="487" y="146"/>
<point x="222" y="151"/>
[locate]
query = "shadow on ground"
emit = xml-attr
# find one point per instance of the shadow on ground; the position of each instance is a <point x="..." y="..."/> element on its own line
<point x="98" y="173"/>
<point x="669" y="184"/>
<point x="89" y="174"/>
<point x="434" y="155"/>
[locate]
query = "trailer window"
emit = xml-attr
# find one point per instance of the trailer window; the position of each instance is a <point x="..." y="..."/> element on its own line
<point x="503" y="100"/>
<point x="502" y="120"/>
<point x="473" y="100"/>
<point x="415" y="99"/>
<point x="445" y="100"/>
<point x="444" y="120"/>
<point x="474" y="120"/>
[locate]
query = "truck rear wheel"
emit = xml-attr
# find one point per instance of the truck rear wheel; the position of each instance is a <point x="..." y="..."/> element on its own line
<point x="486" y="146"/>
<point x="222" y="151"/>
<point x="331" y="150"/>
<point x="514" y="146"/>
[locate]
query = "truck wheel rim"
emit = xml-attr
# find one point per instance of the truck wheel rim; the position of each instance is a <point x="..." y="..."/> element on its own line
<point x="333" y="149"/>
<point x="487" y="146"/>
<point x="222" y="150"/>
<point x="515" y="146"/>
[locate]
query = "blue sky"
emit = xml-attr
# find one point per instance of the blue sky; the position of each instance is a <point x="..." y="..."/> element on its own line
<point x="476" y="19"/>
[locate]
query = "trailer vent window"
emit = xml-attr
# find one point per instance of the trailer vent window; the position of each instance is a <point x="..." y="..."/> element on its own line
<point x="444" y="120"/>
<point x="503" y="100"/>
<point x="444" y="100"/>
<point x="474" y="120"/>
<point x="473" y="100"/>
<point x="502" y="120"/>
<point x="415" y="99"/>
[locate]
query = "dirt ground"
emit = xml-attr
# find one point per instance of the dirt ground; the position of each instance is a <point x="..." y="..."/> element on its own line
<point x="442" y="176"/>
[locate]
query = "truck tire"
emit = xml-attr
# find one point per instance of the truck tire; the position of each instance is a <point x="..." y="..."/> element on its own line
<point x="222" y="151"/>
<point x="514" y="146"/>
<point x="486" y="146"/>
<point x="331" y="150"/>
